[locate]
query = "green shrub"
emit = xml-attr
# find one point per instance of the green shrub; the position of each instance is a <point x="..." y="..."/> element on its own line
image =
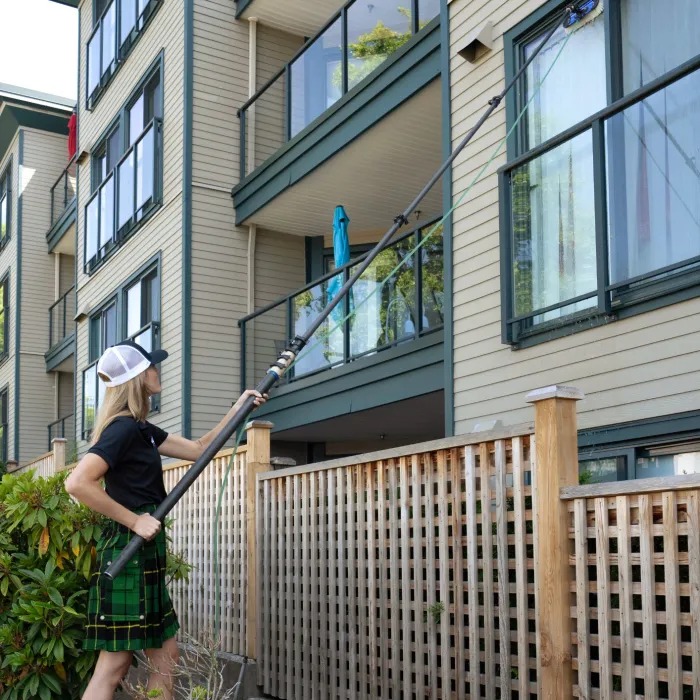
<point x="47" y="555"/>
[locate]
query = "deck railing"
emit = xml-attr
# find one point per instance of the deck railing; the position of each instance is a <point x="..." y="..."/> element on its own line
<point x="408" y="305"/>
<point x="63" y="192"/>
<point x="62" y="428"/>
<point x="61" y="314"/>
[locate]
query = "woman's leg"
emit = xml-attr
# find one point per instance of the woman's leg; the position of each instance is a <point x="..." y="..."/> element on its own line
<point x="111" y="667"/>
<point x="163" y="662"/>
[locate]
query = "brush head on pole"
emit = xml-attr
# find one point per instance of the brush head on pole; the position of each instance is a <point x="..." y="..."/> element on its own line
<point x="584" y="12"/>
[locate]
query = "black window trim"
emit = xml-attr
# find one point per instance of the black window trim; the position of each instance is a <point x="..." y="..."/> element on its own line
<point x="4" y="443"/>
<point x="7" y="300"/>
<point x="614" y="302"/>
<point x="120" y="123"/>
<point x="121" y="52"/>
<point x="6" y="174"/>
<point x="118" y="297"/>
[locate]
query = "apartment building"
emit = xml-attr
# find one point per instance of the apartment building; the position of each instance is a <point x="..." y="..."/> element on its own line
<point x="36" y="271"/>
<point x="216" y="141"/>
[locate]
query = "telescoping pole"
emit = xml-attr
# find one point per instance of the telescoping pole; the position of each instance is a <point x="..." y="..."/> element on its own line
<point x="295" y="346"/>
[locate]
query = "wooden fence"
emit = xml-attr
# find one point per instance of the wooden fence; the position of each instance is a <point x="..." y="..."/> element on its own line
<point x="47" y="464"/>
<point x="401" y="577"/>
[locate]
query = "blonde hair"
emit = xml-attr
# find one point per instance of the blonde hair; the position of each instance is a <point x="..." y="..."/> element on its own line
<point x="128" y="399"/>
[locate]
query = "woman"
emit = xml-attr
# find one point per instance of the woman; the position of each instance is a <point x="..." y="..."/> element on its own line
<point x="134" y="611"/>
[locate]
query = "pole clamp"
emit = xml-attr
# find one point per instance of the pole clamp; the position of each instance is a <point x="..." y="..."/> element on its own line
<point x="401" y="220"/>
<point x="495" y="101"/>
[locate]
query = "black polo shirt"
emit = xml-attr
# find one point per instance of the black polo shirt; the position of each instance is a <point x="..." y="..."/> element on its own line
<point x="135" y="474"/>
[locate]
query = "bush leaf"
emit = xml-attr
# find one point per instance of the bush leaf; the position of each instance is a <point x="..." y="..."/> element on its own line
<point x="60" y="671"/>
<point x="44" y="539"/>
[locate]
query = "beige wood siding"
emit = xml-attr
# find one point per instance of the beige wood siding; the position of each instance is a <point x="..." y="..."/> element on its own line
<point x="163" y="232"/>
<point x="66" y="273"/>
<point x="44" y="158"/>
<point x="632" y="369"/>
<point x="66" y="404"/>
<point x="219" y="248"/>
<point x="8" y="264"/>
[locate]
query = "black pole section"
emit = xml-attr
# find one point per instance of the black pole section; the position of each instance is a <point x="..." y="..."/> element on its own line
<point x="295" y="346"/>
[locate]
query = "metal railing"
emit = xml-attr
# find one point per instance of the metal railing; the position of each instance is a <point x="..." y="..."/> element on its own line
<point x="63" y="192"/>
<point x="389" y="309"/>
<point x="61" y="314"/>
<point x="62" y="428"/>
<point x="349" y="47"/>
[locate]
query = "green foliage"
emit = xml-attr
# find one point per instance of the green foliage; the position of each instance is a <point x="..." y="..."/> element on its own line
<point x="435" y="611"/>
<point x="585" y="477"/>
<point x="47" y="555"/>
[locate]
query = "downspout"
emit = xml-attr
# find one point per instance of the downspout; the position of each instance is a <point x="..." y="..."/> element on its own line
<point x="252" y="82"/>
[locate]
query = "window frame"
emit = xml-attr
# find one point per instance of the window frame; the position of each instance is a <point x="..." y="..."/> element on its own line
<point x="122" y="49"/>
<point x="6" y="177"/>
<point x="612" y="301"/>
<point x="119" y="299"/>
<point x="6" y="316"/>
<point x="4" y="404"/>
<point x="120" y="125"/>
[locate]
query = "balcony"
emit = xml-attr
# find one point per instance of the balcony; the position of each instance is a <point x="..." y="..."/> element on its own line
<point x="61" y="334"/>
<point x="61" y="234"/>
<point x="62" y="428"/>
<point x="390" y="350"/>
<point x="362" y="67"/>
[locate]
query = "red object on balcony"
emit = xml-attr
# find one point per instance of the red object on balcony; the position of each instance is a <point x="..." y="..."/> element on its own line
<point x="72" y="135"/>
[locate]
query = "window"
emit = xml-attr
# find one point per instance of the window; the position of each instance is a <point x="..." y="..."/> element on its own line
<point x="133" y="313"/>
<point x="118" y="25"/>
<point x="599" y="217"/>
<point x="125" y="172"/>
<point x="4" y="400"/>
<point x="4" y="317"/>
<point x="5" y="201"/>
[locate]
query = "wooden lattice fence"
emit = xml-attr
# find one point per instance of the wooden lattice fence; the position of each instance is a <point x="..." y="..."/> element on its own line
<point x="411" y="577"/>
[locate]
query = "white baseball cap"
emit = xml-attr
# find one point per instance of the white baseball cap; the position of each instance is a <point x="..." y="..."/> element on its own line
<point x="126" y="360"/>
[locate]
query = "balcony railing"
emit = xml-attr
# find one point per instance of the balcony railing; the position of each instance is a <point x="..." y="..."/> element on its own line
<point x="62" y="428"/>
<point x="409" y="304"/>
<point x="61" y="314"/>
<point x="63" y="192"/>
<point x="353" y="44"/>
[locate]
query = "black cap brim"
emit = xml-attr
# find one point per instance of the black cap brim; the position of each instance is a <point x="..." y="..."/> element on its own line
<point x="157" y="356"/>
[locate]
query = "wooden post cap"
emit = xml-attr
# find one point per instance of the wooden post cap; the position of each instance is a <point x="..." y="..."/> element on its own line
<point x="265" y="424"/>
<point x="555" y="392"/>
<point x="58" y="440"/>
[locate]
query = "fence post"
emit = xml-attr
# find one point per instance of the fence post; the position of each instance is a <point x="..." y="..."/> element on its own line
<point x="257" y="461"/>
<point x="58" y="447"/>
<point x="556" y="466"/>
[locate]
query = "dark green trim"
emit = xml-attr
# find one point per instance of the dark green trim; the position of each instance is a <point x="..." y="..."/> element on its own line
<point x="77" y="229"/>
<point x="6" y="174"/>
<point x="414" y="66"/>
<point x="60" y="352"/>
<point x="18" y="289"/>
<point x="186" y="393"/>
<point x="241" y="7"/>
<point x="69" y="3"/>
<point x="314" y="258"/>
<point x="448" y="363"/>
<point x="66" y="220"/>
<point x="677" y="425"/>
<point x="393" y="375"/>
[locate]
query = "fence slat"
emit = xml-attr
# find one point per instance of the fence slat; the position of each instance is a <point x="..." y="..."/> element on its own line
<point x="351" y="560"/>
<point x="673" y="652"/>
<point x="624" y="567"/>
<point x="362" y="579"/>
<point x="694" y="577"/>
<point x="430" y="567"/>
<point x="394" y="595"/>
<point x="372" y="518"/>
<point x="487" y="562"/>
<point x="262" y="636"/>
<point x="271" y="545"/>
<point x="382" y="543"/>
<point x="419" y="606"/>
<point x="341" y="585"/>
<point x="305" y="626"/>
<point x="313" y="596"/>
<point x="646" y="546"/>
<point x="289" y="527"/>
<point x="406" y="566"/>
<point x="444" y="575"/>
<point x="583" y="622"/>
<point x="503" y="578"/>
<point x="324" y="543"/>
<point x="603" y="581"/>
<point x="472" y="572"/>
<point x="458" y="569"/>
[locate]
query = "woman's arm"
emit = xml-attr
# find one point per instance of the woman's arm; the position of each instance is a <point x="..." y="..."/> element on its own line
<point x="182" y="448"/>
<point x="84" y="485"/>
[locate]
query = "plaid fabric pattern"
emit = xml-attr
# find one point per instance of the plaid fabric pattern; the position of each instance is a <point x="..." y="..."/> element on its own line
<point x="134" y="611"/>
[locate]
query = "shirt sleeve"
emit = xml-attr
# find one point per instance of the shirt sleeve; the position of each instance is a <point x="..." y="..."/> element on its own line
<point x="114" y="443"/>
<point x="159" y="435"/>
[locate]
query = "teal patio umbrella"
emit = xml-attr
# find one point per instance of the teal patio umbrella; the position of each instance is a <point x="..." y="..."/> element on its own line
<point x="341" y="256"/>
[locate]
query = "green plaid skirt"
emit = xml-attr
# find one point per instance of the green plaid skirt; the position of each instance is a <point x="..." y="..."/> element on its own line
<point x="134" y="611"/>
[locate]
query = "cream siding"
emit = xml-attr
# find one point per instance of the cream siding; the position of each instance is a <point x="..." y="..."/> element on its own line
<point x="633" y="369"/>
<point x="8" y="264"/>
<point x="219" y="248"/>
<point x="66" y="404"/>
<point x="44" y="158"/>
<point x="66" y="274"/>
<point x="163" y="232"/>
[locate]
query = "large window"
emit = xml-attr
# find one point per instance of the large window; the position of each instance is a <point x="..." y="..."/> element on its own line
<point x="5" y="204"/>
<point x="4" y="316"/>
<point x="118" y="24"/>
<point x="125" y="172"/>
<point x="132" y="313"/>
<point x="602" y="192"/>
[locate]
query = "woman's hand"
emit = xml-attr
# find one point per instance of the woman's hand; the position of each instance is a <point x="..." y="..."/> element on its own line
<point x="259" y="398"/>
<point x="146" y="526"/>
